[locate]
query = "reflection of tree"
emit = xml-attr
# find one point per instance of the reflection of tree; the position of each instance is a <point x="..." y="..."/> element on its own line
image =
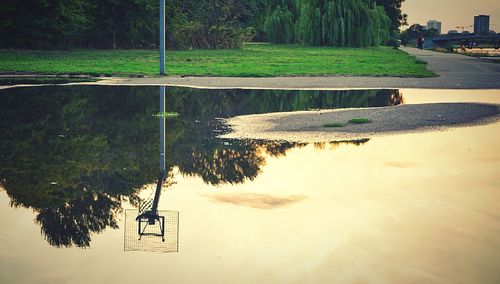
<point x="231" y="161"/>
<point x="223" y="165"/>
<point x="71" y="156"/>
<point x="72" y="153"/>
<point x="207" y="104"/>
<point x="73" y="222"/>
<point x="60" y="143"/>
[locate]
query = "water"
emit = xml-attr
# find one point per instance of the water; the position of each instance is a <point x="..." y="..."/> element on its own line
<point x="481" y="51"/>
<point x="406" y="208"/>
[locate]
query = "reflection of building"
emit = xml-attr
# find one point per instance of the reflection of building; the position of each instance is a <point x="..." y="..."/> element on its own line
<point x="481" y="24"/>
<point x="433" y="24"/>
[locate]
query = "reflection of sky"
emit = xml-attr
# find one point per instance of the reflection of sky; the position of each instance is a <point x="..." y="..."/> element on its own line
<point x="419" y="96"/>
<point x="254" y="200"/>
<point x="421" y="207"/>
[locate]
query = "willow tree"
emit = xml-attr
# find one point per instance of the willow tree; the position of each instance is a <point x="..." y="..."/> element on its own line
<point x="343" y="23"/>
<point x="280" y="24"/>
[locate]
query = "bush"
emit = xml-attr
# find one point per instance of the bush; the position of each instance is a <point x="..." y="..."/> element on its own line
<point x="221" y="36"/>
<point x="224" y="36"/>
<point x="393" y="42"/>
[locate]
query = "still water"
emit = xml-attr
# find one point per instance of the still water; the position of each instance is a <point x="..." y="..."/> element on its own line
<point x="413" y="208"/>
<point x="481" y="51"/>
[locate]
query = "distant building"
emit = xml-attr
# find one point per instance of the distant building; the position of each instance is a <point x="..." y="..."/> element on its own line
<point x="433" y="24"/>
<point x="452" y="32"/>
<point x="481" y="24"/>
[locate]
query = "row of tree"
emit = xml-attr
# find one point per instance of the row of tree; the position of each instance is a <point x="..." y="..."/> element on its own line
<point x="36" y="24"/>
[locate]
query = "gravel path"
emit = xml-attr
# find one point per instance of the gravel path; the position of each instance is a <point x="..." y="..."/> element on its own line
<point x="307" y="126"/>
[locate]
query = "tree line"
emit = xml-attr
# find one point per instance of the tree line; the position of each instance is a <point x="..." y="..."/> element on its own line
<point x="133" y="24"/>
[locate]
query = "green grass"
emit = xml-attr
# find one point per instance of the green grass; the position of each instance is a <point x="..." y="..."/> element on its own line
<point x="356" y="120"/>
<point x="167" y="114"/>
<point x="359" y="120"/>
<point x="333" y="125"/>
<point x="256" y="60"/>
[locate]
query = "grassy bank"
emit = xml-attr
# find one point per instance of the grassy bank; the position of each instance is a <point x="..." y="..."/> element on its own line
<point x="256" y="60"/>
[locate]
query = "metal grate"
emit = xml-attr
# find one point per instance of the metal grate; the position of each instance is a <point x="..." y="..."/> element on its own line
<point x="152" y="240"/>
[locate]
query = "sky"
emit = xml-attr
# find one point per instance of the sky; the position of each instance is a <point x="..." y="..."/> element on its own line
<point x="452" y="13"/>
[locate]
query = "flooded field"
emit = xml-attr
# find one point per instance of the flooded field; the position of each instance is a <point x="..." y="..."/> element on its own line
<point x="77" y="164"/>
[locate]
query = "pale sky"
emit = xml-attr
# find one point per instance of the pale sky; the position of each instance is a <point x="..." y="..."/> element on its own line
<point x="452" y="13"/>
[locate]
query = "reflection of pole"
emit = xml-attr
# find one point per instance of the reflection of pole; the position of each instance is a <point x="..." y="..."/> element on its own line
<point x="162" y="37"/>
<point x="151" y="216"/>
<point x="162" y="129"/>
<point x="162" y="174"/>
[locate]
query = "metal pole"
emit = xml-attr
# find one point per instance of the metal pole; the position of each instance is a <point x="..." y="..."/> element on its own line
<point x="162" y="129"/>
<point x="162" y="37"/>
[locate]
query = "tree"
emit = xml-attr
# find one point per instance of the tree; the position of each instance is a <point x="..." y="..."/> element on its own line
<point x="351" y="23"/>
<point x="393" y="11"/>
<point x="42" y="23"/>
<point x="416" y="30"/>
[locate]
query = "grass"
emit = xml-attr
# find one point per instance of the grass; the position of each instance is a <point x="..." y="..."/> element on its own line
<point x="333" y="125"/>
<point x="167" y="114"/>
<point x="359" y="120"/>
<point x="356" y="120"/>
<point x="254" y="60"/>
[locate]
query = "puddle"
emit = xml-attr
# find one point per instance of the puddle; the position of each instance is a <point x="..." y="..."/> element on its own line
<point x="421" y="206"/>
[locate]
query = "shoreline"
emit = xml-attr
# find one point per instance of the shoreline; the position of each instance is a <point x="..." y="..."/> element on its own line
<point x="282" y="83"/>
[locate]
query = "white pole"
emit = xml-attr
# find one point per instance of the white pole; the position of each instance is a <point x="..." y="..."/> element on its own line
<point x="162" y="37"/>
